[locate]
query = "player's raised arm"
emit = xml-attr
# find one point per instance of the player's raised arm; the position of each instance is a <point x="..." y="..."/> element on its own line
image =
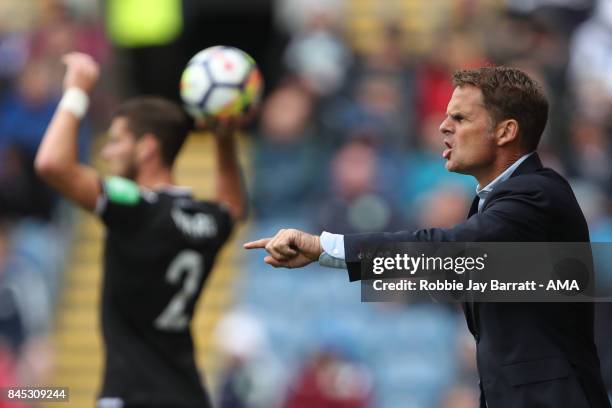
<point x="230" y="189"/>
<point x="57" y="160"/>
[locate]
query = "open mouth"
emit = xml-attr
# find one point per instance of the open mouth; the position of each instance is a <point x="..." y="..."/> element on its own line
<point x="447" y="152"/>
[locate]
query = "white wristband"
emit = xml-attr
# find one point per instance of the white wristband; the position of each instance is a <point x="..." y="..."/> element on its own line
<point x="75" y="101"/>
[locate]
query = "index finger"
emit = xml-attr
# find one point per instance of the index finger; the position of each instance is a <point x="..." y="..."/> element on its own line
<point x="260" y="243"/>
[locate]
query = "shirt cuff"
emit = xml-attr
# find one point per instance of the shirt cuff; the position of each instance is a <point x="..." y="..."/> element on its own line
<point x="333" y="244"/>
<point x="333" y="251"/>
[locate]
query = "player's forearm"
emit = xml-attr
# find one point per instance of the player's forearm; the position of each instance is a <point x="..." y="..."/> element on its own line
<point x="57" y="161"/>
<point x="230" y="188"/>
<point x="57" y="154"/>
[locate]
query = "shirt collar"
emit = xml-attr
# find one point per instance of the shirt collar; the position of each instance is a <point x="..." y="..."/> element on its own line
<point x="482" y="193"/>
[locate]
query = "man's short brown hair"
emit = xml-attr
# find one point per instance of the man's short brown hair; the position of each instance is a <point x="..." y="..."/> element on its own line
<point x="164" y="119"/>
<point x="509" y="93"/>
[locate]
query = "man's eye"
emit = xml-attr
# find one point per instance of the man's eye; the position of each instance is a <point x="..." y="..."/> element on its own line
<point x="458" y="118"/>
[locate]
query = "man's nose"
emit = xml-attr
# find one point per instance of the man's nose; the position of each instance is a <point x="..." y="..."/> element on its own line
<point x="445" y="127"/>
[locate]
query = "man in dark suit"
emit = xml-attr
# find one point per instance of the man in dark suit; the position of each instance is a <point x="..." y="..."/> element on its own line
<point x="529" y="354"/>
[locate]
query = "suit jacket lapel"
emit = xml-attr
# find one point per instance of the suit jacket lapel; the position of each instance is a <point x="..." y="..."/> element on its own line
<point x="474" y="206"/>
<point x="468" y="307"/>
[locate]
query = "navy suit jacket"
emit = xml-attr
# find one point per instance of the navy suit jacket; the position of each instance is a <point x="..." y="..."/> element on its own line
<point x="529" y="354"/>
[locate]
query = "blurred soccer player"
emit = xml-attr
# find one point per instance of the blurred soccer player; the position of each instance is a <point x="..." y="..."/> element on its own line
<point x="160" y="243"/>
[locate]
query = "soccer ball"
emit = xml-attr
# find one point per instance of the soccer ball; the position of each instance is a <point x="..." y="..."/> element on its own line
<point x="220" y="81"/>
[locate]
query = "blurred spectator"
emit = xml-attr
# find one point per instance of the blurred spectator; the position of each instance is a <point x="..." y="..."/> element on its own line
<point x="30" y="278"/>
<point x="597" y="208"/>
<point x="459" y="49"/>
<point x="538" y="43"/>
<point x="13" y="54"/>
<point x="434" y="88"/>
<point x="288" y="155"/>
<point x="390" y="60"/>
<point x="330" y="380"/>
<point x="12" y="332"/>
<point x="389" y="56"/>
<point x="443" y="207"/>
<point x="375" y="109"/>
<point x="566" y="13"/>
<point x="527" y="6"/>
<point x="8" y="374"/>
<point x="22" y="193"/>
<point x="251" y="377"/>
<point x="513" y="37"/>
<point x="16" y="19"/>
<point x="601" y="227"/>
<point x="67" y="26"/>
<point x="356" y="202"/>
<point x="590" y="74"/>
<point x="18" y="15"/>
<point x="26" y="109"/>
<point x="379" y="101"/>
<point x="555" y="145"/>
<point x="293" y="16"/>
<point x="591" y="148"/>
<point x="55" y="34"/>
<point x="317" y="54"/>
<point x="25" y="112"/>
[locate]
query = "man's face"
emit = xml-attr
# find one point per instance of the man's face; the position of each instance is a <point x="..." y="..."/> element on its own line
<point x="468" y="133"/>
<point x="120" y="149"/>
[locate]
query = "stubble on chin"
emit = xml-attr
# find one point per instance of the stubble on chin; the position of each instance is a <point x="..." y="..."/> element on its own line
<point x="131" y="172"/>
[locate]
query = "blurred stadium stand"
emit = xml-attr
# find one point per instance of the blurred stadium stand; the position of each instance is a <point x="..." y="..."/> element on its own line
<point x="346" y="141"/>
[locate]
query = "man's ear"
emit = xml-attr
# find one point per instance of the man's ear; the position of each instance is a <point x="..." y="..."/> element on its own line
<point x="147" y="147"/>
<point x="506" y="131"/>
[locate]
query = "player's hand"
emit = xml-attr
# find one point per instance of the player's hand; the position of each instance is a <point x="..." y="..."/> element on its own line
<point x="81" y="71"/>
<point x="289" y="248"/>
<point x="224" y="127"/>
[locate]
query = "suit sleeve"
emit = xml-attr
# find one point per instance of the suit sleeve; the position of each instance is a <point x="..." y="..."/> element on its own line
<point x="511" y="215"/>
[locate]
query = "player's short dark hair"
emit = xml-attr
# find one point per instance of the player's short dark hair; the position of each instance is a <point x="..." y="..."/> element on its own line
<point x="164" y="119"/>
<point x="509" y="93"/>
